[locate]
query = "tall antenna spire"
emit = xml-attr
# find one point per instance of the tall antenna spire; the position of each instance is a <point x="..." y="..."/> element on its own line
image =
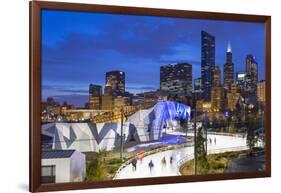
<point x="228" y="47"/>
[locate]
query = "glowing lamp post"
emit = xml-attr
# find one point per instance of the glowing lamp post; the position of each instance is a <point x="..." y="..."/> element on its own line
<point x="122" y="137"/>
<point x="195" y="136"/>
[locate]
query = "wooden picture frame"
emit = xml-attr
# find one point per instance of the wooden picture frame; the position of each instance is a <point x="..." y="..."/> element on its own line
<point x="35" y="93"/>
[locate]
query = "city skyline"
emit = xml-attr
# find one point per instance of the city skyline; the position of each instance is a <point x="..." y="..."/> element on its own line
<point x="76" y="47"/>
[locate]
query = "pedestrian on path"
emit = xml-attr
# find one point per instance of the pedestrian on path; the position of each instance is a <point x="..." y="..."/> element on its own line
<point x="134" y="164"/>
<point x="171" y="159"/>
<point x="150" y="165"/>
<point x="141" y="156"/>
<point x="163" y="161"/>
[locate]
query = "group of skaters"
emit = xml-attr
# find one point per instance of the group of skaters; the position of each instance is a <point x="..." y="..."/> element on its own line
<point x="150" y="164"/>
<point x="163" y="161"/>
<point x="211" y="141"/>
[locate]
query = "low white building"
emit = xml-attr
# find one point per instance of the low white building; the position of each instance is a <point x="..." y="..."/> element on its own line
<point x="59" y="166"/>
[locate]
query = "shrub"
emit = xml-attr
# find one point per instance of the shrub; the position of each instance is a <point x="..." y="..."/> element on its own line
<point x="218" y="164"/>
<point x="96" y="170"/>
<point x="113" y="169"/>
<point x="115" y="161"/>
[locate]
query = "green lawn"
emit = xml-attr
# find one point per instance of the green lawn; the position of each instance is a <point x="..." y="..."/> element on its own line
<point x="217" y="163"/>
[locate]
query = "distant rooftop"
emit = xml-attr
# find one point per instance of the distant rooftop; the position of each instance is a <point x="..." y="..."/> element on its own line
<point x="52" y="154"/>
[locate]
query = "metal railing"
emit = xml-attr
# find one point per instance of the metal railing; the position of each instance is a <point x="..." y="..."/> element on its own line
<point x="211" y="151"/>
<point x="241" y="135"/>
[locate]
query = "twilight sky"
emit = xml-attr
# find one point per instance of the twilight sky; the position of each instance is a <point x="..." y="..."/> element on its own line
<point x="79" y="47"/>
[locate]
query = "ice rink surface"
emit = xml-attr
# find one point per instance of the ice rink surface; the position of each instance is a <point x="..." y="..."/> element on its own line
<point x="223" y="144"/>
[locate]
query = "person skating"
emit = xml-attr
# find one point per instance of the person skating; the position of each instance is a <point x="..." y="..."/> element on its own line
<point x="163" y="161"/>
<point x="150" y="165"/>
<point x="134" y="164"/>
<point x="141" y="156"/>
<point x="171" y="159"/>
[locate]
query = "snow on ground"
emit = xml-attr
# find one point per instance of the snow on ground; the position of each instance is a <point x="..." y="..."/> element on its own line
<point x="223" y="144"/>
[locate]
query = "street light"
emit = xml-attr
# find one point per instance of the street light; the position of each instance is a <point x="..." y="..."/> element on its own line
<point x="186" y="127"/>
<point x="195" y="136"/>
<point x="122" y="142"/>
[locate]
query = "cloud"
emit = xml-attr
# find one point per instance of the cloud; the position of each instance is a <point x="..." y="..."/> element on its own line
<point x="64" y="89"/>
<point x="141" y="88"/>
<point x="139" y="38"/>
<point x="91" y="44"/>
<point x="74" y="91"/>
<point x="73" y="99"/>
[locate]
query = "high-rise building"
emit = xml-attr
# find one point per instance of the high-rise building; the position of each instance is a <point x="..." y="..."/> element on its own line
<point x="232" y="97"/>
<point x="117" y="82"/>
<point x="217" y="98"/>
<point x="197" y="88"/>
<point x="217" y="91"/>
<point x="95" y="90"/>
<point x="216" y="76"/>
<point x="95" y="96"/>
<point x="207" y="63"/>
<point x="240" y="81"/>
<point x="251" y="78"/>
<point x="197" y="84"/>
<point x="176" y="80"/>
<point x="108" y="98"/>
<point x="252" y="67"/>
<point x="228" y="69"/>
<point x="95" y="102"/>
<point x="120" y="102"/>
<point x="108" y="89"/>
<point x="261" y="91"/>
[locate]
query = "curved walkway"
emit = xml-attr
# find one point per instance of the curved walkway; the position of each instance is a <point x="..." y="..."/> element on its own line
<point x="223" y="144"/>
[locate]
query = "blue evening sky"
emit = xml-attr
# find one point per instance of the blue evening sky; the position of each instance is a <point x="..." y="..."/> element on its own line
<point x="79" y="47"/>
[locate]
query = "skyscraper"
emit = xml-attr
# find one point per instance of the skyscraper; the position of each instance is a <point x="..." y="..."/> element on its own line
<point x="228" y="69"/>
<point x="217" y="98"/>
<point x="217" y="91"/>
<point x="240" y="81"/>
<point x="95" y="96"/>
<point x="108" y="98"/>
<point x="117" y="82"/>
<point x="251" y="78"/>
<point x="95" y="90"/>
<point x="261" y="91"/>
<point x="176" y="80"/>
<point x="252" y="67"/>
<point x="232" y="97"/>
<point x="216" y="76"/>
<point x="197" y="84"/>
<point x="207" y="63"/>
<point x="108" y="89"/>
<point x="197" y="88"/>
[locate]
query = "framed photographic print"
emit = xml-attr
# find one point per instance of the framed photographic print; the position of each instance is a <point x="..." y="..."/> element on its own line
<point x="123" y="96"/>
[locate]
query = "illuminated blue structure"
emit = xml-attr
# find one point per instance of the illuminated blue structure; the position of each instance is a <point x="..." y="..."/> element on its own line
<point x="163" y="114"/>
<point x="142" y="127"/>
